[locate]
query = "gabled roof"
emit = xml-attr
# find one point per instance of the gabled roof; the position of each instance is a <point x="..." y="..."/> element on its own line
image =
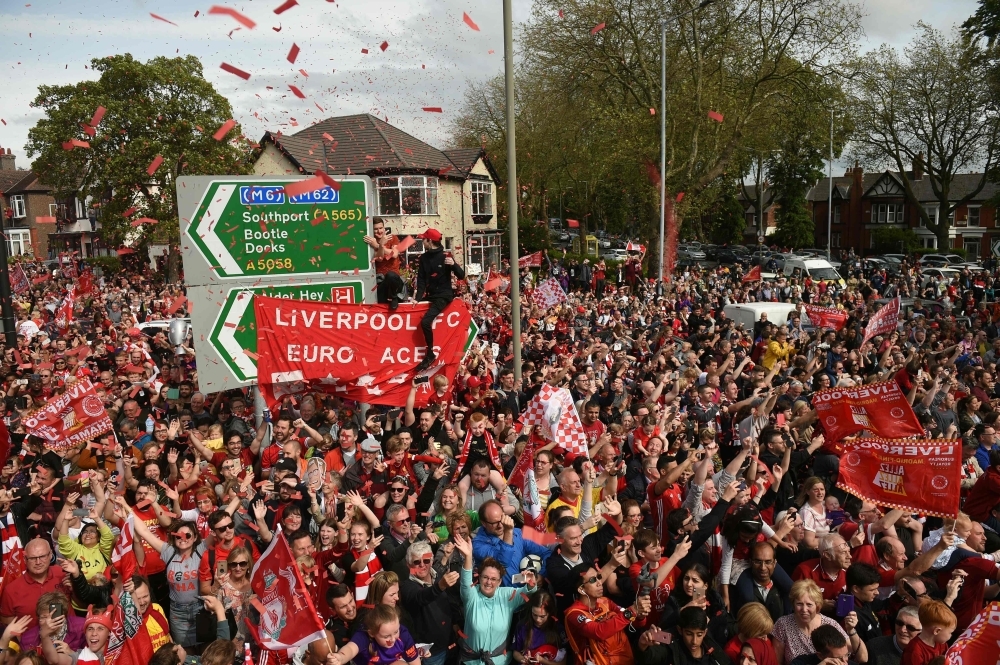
<point x="357" y="144"/>
<point x="19" y="181"/>
<point x="751" y="195"/>
<point x="960" y="186"/>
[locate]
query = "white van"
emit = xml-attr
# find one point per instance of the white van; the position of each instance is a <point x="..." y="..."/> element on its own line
<point x="748" y="313"/>
<point x="819" y="270"/>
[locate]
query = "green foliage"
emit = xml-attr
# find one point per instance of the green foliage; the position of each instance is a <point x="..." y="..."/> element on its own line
<point x="111" y="265"/>
<point x="729" y="219"/>
<point x="793" y="171"/>
<point x="161" y="107"/>
<point x="895" y="241"/>
<point x="531" y="236"/>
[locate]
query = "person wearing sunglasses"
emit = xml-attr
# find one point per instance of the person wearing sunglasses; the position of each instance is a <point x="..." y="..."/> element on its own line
<point x="182" y="553"/>
<point x="430" y="599"/>
<point x="595" y="625"/>
<point x="888" y="649"/>
<point x="222" y="525"/>
<point x="232" y="588"/>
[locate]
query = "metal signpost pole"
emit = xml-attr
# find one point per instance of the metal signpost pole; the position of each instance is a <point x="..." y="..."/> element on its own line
<point x="515" y="271"/>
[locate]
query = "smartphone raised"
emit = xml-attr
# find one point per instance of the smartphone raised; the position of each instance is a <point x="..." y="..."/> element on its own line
<point x="662" y="637"/>
<point x="421" y="379"/>
<point x="55" y="610"/>
<point x="221" y="567"/>
<point x="845" y="604"/>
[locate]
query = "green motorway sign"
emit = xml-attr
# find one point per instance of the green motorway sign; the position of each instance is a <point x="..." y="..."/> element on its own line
<point x="235" y="329"/>
<point x="252" y="230"/>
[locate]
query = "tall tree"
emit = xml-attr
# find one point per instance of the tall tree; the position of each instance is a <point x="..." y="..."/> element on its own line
<point x="930" y="106"/>
<point x="793" y="170"/>
<point x="163" y="108"/>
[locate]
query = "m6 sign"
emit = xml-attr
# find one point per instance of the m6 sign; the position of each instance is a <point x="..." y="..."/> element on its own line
<point x="253" y="229"/>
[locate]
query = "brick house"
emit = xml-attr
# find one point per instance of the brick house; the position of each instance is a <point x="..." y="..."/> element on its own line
<point x="416" y="185"/>
<point x="864" y="202"/>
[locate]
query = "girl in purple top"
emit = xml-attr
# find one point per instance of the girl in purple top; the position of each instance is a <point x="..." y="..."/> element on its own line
<point x="383" y="641"/>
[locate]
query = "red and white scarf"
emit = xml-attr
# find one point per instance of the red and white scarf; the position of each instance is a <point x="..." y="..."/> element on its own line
<point x="491" y="447"/>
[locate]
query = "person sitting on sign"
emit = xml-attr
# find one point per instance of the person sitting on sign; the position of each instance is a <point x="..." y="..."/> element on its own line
<point x="390" y="284"/>
<point x="434" y="273"/>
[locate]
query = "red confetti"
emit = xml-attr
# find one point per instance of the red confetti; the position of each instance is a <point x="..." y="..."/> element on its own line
<point x="327" y="136"/>
<point x="469" y="22"/>
<point x="278" y="29"/>
<point x="75" y="143"/>
<point x="597" y="28"/>
<point x="296" y="92"/>
<point x="128" y="213"/>
<point x="3" y="121"/>
<point x="98" y="115"/>
<point x="715" y="115"/>
<point x="330" y="182"/>
<point x="145" y="220"/>
<point x="285" y="6"/>
<point x="221" y="132"/>
<point x="88" y="130"/>
<point x="384" y="45"/>
<point x="364" y="50"/>
<point x="306" y="74"/>
<point x="293" y="53"/>
<point x="652" y="111"/>
<point x="160" y="18"/>
<point x="196" y="12"/>
<point x="304" y="186"/>
<point x="560" y="13"/>
<point x="155" y="164"/>
<point x="242" y="19"/>
<point x="680" y="197"/>
<point x="433" y="109"/>
<point x="226" y="67"/>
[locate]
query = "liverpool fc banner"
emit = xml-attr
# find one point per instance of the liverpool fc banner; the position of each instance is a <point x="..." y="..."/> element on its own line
<point x="826" y="317"/>
<point x="880" y="408"/>
<point x="70" y="419"/>
<point x="919" y="475"/>
<point x="366" y="353"/>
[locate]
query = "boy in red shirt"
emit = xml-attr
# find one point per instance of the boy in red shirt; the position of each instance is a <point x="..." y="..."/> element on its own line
<point x="653" y="575"/>
<point x="938" y="622"/>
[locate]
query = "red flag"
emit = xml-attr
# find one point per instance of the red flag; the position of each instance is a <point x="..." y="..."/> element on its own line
<point x="883" y="321"/>
<point x="69" y="419"/>
<point x="920" y="476"/>
<point x="85" y="284"/>
<point x="880" y="408"/>
<point x="753" y="275"/>
<point x="12" y="551"/>
<point x="530" y="261"/>
<point x="129" y="643"/>
<point x="123" y="556"/>
<point x="18" y="280"/>
<point x="4" y="443"/>
<point x="826" y="317"/>
<point x="288" y="618"/>
<point x="492" y="284"/>
<point x="64" y="315"/>
<point x="357" y="352"/>
<point x="978" y="643"/>
<point x="573" y="223"/>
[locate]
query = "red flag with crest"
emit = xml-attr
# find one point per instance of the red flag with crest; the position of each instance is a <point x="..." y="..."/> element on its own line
<point x="752" y="276"/>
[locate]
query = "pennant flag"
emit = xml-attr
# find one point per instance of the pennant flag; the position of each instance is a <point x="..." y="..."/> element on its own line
<point x="554" y="410"/>
<point x="288" y="618"/>
<point x="978" y="643"/>
<point x="919" y="476"/>
<point x="880" y="408"/>
<point x="549" y="293"/>
<point x="530" y="261"/>
<point x="826" y="317"/>
<point x="752" y="276"/>
<point x="883" y="321"/>
<point x="18" y="280"/>
<point x="70" y="419"/>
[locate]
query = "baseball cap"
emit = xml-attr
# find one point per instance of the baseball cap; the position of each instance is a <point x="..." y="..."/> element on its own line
<point x="473" y="382"/>
<point x="431" y="234"/>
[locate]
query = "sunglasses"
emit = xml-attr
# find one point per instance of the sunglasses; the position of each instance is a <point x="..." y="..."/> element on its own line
<point x="239" y="564"/>
<point x="398" y="489"/>
<point x="184" y="536"/>
<point x="903" y="624"/>
<point x="426" y="561"/>
<point x="224" y="527"/>
<point x="590" y="580"/>
<point x="402" y="521"/>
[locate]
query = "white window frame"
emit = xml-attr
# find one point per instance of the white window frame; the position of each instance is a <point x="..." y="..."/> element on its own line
<point x="482" y="197"/>
<point x="977" y="243"/>
<point x="836" y="214"/>
<point x="17" y="204"/>
<point x="427" y="186"/>
<point x="929" y="242"/>
<point x="979" y="216"/>
<point x="484" y="250"/>
<point x="932" y="212"/>
<point x="887" y="213"/>
<point x="81" y="208"/>
<point x="18" y="241"/>
<point x="834" y="239"/>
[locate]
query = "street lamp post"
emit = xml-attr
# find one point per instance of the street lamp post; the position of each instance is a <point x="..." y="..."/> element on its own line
<point x="829" y="198"/>
<point x="663" y="119"/>
<point x="512" y="202"/>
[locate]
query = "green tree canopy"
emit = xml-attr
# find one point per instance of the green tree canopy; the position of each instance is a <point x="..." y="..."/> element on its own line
<point x="161" y="107"/>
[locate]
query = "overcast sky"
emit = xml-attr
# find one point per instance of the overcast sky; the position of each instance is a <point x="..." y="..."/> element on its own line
<point x="431" y="57"/>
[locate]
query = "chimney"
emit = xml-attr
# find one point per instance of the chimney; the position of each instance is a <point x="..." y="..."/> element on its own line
<point x="6" y="160"/>
<point x="918" y="167"/>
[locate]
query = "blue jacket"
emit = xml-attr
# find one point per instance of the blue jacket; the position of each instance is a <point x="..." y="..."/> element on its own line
<point x="487" y="545"/>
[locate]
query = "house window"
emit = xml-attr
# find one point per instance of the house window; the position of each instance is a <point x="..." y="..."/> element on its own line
<point x="951" y="217"/>
<point x="408" y="195"/>
<point x="17" y="205"/>
<point x="836" y="215"/>
<point x="835" y="238"/>
<point x="18" y="241"/>
<point x="932" y="213"/>
<point x="81" y="208"/>
<point x="974" y="215"/>
<point x="971" y="246"/>
<point x="483" y="250"/>
<point x="482" y="198"/>
<point x="930" y="243"/>
<point x="887" y="213"/>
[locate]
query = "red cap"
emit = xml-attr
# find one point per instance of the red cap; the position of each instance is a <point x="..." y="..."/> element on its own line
<point x="134" y="332"/>
<point x="473" y="382"/>
<point x="431" y="234"/>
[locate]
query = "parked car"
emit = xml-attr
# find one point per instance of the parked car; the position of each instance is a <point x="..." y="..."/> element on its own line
<point x="564" y="236"/>
<point x="726" y="255"/>
<point x="935" y="260"/>
<point x="927" y="275"/>
<point x="690" y="250"/>
<point x="760" y="258"/>
<point x="615" y="254"/>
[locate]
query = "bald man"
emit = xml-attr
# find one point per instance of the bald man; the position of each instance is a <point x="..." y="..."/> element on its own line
<point x="21" y="595"/>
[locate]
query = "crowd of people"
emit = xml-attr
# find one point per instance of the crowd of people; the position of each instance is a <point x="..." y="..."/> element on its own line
<point x="703" y="527"/>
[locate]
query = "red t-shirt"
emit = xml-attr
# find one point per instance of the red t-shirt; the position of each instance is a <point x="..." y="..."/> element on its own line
<point x="388" y="264"/>
<point x="594" y="431"/>
<point x="813" y="570"/>
<point x="154" y="564"/>
<point x="918" y="652"/>
<point x="661" y="505"/>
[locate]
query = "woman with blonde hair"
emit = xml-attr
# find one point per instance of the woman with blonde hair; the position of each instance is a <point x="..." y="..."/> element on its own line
<point x="384" y="589"/>
<point x="792" y="632"/>
<point x="752" y="621"/>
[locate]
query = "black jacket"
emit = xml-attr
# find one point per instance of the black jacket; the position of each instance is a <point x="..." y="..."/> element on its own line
<point x="745" y="591"/>
<point x="676" y="654"/>
<point x="434" y="276"/>
<point x="432" y="611"/>
<point x="557" y="568"/>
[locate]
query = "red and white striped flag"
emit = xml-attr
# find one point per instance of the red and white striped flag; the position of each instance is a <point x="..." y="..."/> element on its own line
<point x="554" y="410"/>
<point x="13" y="552"/>
<point x="549" y="293"/>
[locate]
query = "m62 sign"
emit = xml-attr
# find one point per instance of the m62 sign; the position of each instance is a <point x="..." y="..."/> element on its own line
<point x="254" y="229"/>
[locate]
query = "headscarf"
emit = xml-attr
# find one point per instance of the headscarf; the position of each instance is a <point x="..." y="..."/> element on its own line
<point x="763" y="651"/>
